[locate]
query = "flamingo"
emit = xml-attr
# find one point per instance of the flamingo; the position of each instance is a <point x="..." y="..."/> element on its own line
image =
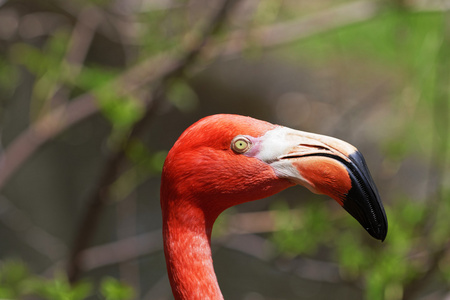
<point x="224" y="160"/>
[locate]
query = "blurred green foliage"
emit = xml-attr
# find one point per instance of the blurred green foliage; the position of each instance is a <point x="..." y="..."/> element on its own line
<point x="17" y="282"/>
<point x="112" y="289"/>
<point x="404" y="46"/>
<point x="182" y="96"/>
<point x="384" y="269"/>
<point x="13" y="277"/>
<point x="396" y="39"/>
<point x="162" y="32"/>
<point x="416" y="45"/>
<point x="408" y="44"/>
<point x="302" y="230"/>
<point x="145" y="163"/>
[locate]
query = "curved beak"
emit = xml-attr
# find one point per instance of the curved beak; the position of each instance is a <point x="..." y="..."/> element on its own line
<point x="332" y="167"/>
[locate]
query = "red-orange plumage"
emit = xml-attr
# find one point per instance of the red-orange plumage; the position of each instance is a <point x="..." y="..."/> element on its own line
<point x="201" y="164"/>
<point x="204" y="174"/>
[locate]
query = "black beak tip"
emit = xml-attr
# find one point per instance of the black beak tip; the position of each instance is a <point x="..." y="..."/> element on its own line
<point x="363" y="201"/>
<point x="374" y="221"/>
<point x="379" y="232"/>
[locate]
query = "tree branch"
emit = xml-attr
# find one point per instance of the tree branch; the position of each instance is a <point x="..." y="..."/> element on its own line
<point x="53" y="123"/>
<point x="35" y="237"/>
<point x="100" y="195"/>
<point x="154" y="68"/>
<point x="121" y="251"/>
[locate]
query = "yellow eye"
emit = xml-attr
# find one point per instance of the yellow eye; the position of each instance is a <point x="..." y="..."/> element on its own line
<point x="240" y="144"/>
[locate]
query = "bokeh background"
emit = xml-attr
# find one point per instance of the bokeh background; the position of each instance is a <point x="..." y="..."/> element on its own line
<point x="93" y="93"/>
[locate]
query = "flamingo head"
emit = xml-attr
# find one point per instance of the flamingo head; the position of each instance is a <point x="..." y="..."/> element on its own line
<point x="224" y="160"/>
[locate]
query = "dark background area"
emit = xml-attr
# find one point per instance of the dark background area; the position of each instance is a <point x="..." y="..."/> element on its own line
<point x="77" y="76"/>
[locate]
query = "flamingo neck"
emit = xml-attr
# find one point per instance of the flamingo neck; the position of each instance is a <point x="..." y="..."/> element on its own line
<point x="187" y="247"/>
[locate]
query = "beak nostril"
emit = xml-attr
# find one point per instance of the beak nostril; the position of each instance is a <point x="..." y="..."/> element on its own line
<point x="317" y="147"/>
<point x="302" y="150"/>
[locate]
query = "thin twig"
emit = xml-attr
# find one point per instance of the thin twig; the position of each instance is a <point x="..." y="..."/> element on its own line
<point x="79" y="44"/>
<point x="242" y="226"/>
<point x="100" y="196"/>
<point x="288" y="31"/>
<point x="126" y="214"/>
<point x="68" y="114"/>
<point x="121" y="251"/>
<point x="34" y="236"/>
<point x="46" y="128"/>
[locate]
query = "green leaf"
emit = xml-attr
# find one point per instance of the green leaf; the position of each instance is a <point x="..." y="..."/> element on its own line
<point x="302" y="230"/>
<point x="92" y="78"/>
<point x="13" y="275"/>
<point x="46" y="61"/>
<point x="183" y="96"/>
<point x="8" y="75"/>
<point x="157" y="161"/>
<point x="353" y="256"/>
<point x="144" y="158"/>
<point x="32" y="58"/>
<point x="122" y="111"/>
<point x="112" y="289"/>
<point x="59" y="288"/>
